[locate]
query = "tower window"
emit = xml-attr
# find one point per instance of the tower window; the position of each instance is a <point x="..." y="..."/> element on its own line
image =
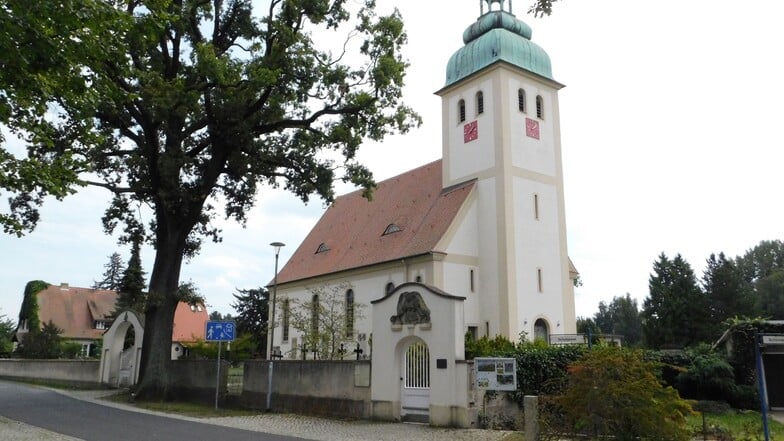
<point x="480" y="103"/>
<point x="539" y="279"/>
<point x="536" y="206"/>
<point x="390" y="287"/>
<point x="521" y="100"/>
<point x="349" y="313"/>
<point x="461" y="110"/>
<point x="471" y="279"/>
<point x="539" y="107"/>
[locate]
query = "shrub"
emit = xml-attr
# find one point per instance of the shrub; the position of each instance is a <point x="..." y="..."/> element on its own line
<point x="615" y="391"/>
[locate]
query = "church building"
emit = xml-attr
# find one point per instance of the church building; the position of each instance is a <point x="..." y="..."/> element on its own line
<point x="484" y="225"/>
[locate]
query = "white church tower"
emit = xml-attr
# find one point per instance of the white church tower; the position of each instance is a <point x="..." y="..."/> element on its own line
<point x="501" y="127"/>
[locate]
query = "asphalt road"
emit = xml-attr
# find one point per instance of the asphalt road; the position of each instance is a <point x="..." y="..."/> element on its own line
<point x="93" y="422"/>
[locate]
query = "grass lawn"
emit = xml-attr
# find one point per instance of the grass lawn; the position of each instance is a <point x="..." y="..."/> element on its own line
<point x="183" y="408"/>
<point x="741" y="426"/>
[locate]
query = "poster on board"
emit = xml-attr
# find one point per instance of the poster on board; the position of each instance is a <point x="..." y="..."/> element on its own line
<point x="496" y="373"/>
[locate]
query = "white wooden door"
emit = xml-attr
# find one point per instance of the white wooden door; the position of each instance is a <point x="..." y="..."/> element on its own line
<point x="415" y="394"/>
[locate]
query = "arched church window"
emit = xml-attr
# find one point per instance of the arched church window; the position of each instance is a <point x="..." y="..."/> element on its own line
<point x="539" y="107"/>
<point x="350" y="313"/>
<point x="521" y="100"/>
<point x="541" y="331"/>
<point x="314" y="314"/>
<point x="286" y="320"/>
<point x="461" y="110"/>
<point x="480" y="103"/>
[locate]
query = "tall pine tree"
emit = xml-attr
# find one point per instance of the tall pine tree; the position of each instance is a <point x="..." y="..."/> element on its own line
<point x="729" y="295"/>
<point x="112" y="276"/>
<point x="132" y="286"/>
<point x="674" y="314"/>
<point x="252" y="306"/>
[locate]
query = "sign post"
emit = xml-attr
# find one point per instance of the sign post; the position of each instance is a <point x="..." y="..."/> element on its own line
<point x="219" y="331"/>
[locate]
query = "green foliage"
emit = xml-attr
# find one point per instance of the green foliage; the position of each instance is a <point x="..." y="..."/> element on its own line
<point x="70" y="349"/>
<point x="674" y="313"/>
<point x="252" y="306"/>
<point x="542" y="368"/>
<point x="42" y="344"/>
<point x="112" y="274"/>
<point x="614" y="391"/>
<point x="620" y="317"/>
<point x="729" y="295"/>
<point x="741" y="340"/>
<point x="499" y="346"/>
<point x="708" y="377"/>
<point x="29" y="310"/>
<point x="542" y="8"/>
<point x="7" y="327"/>
<point x="242" y="348"/>
<point x="132" y="286"/>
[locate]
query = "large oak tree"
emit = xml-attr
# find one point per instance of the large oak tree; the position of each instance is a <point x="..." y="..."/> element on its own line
<point x="191" y="104"/>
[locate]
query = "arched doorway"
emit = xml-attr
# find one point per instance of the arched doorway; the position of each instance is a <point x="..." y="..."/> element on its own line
<point x="122" y="348"/>
<point x="541" y="330"/>
<point x="415" y="387"/>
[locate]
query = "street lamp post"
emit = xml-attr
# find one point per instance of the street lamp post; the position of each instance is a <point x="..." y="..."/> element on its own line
<point x="271" y="326"/>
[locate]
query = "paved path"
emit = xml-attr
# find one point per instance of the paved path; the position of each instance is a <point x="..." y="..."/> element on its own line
<point x="288" y="425"/>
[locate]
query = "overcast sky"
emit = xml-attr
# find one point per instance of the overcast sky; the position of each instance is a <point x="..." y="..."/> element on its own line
<point x="672" y="141"/>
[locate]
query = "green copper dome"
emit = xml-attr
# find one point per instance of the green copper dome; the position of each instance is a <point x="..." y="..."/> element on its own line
<point x="497" y="36"/>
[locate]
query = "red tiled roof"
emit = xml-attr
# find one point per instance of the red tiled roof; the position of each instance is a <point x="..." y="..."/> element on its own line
<point x="75" y="310"/>
<point x="353" y="228"/>
<point x="189" y="323"/>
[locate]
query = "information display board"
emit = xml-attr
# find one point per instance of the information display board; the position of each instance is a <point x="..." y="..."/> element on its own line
<point x="496" y="373"/>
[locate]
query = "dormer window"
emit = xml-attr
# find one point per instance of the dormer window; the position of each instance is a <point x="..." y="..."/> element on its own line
<point x="461" y="111"/>
<point x="323" y="248"/>
<point x="100" y="324"/>
<point x="480" y="103"/>
<point x="392" y="228"/>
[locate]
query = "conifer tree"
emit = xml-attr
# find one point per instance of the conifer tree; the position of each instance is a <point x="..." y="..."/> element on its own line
<point x="112" y="275"/>
<point x="674" y="314"/>
<point x="132" y="286"/>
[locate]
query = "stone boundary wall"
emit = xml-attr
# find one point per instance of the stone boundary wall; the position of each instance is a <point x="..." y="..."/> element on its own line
<point x="331" y="388"/>
<point x="82" y="372"/>
<point x="195" y="380"/>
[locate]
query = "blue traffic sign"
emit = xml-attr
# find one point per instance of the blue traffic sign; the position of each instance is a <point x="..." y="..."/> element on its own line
<point x="220" y="331"/>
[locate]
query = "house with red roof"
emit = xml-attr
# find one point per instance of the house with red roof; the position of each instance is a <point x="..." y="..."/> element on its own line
<point x="84" y="315"/>
<point x="486" y="223"/>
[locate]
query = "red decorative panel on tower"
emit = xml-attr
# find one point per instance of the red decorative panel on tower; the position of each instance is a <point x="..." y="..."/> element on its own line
<point x="470" y="132"/>
<point x="532" y="128"/>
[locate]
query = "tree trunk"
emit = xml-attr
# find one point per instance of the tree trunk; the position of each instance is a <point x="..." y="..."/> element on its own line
<point x="155" y="382"/>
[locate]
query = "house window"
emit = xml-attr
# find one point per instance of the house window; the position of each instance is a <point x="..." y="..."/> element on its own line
<point x="322" y="248"/>
<point x="349" y="313"/>
<point x="100" y="324"/>
<point x="314" y="314"/>
<point x="461" y="110"/>
<point x="480" y="103"/>
<point x="471" y="279"/>
<point x="539" y="107"/>
<point x="539" y="279"/>
<point x="521" y="100"/>
<point x="286" y="320"/>
<point x="487" y="329"/>
<point x="536" y="206"/>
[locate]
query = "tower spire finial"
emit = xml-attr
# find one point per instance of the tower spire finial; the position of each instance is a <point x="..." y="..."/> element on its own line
<point x="490" y="6"/>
